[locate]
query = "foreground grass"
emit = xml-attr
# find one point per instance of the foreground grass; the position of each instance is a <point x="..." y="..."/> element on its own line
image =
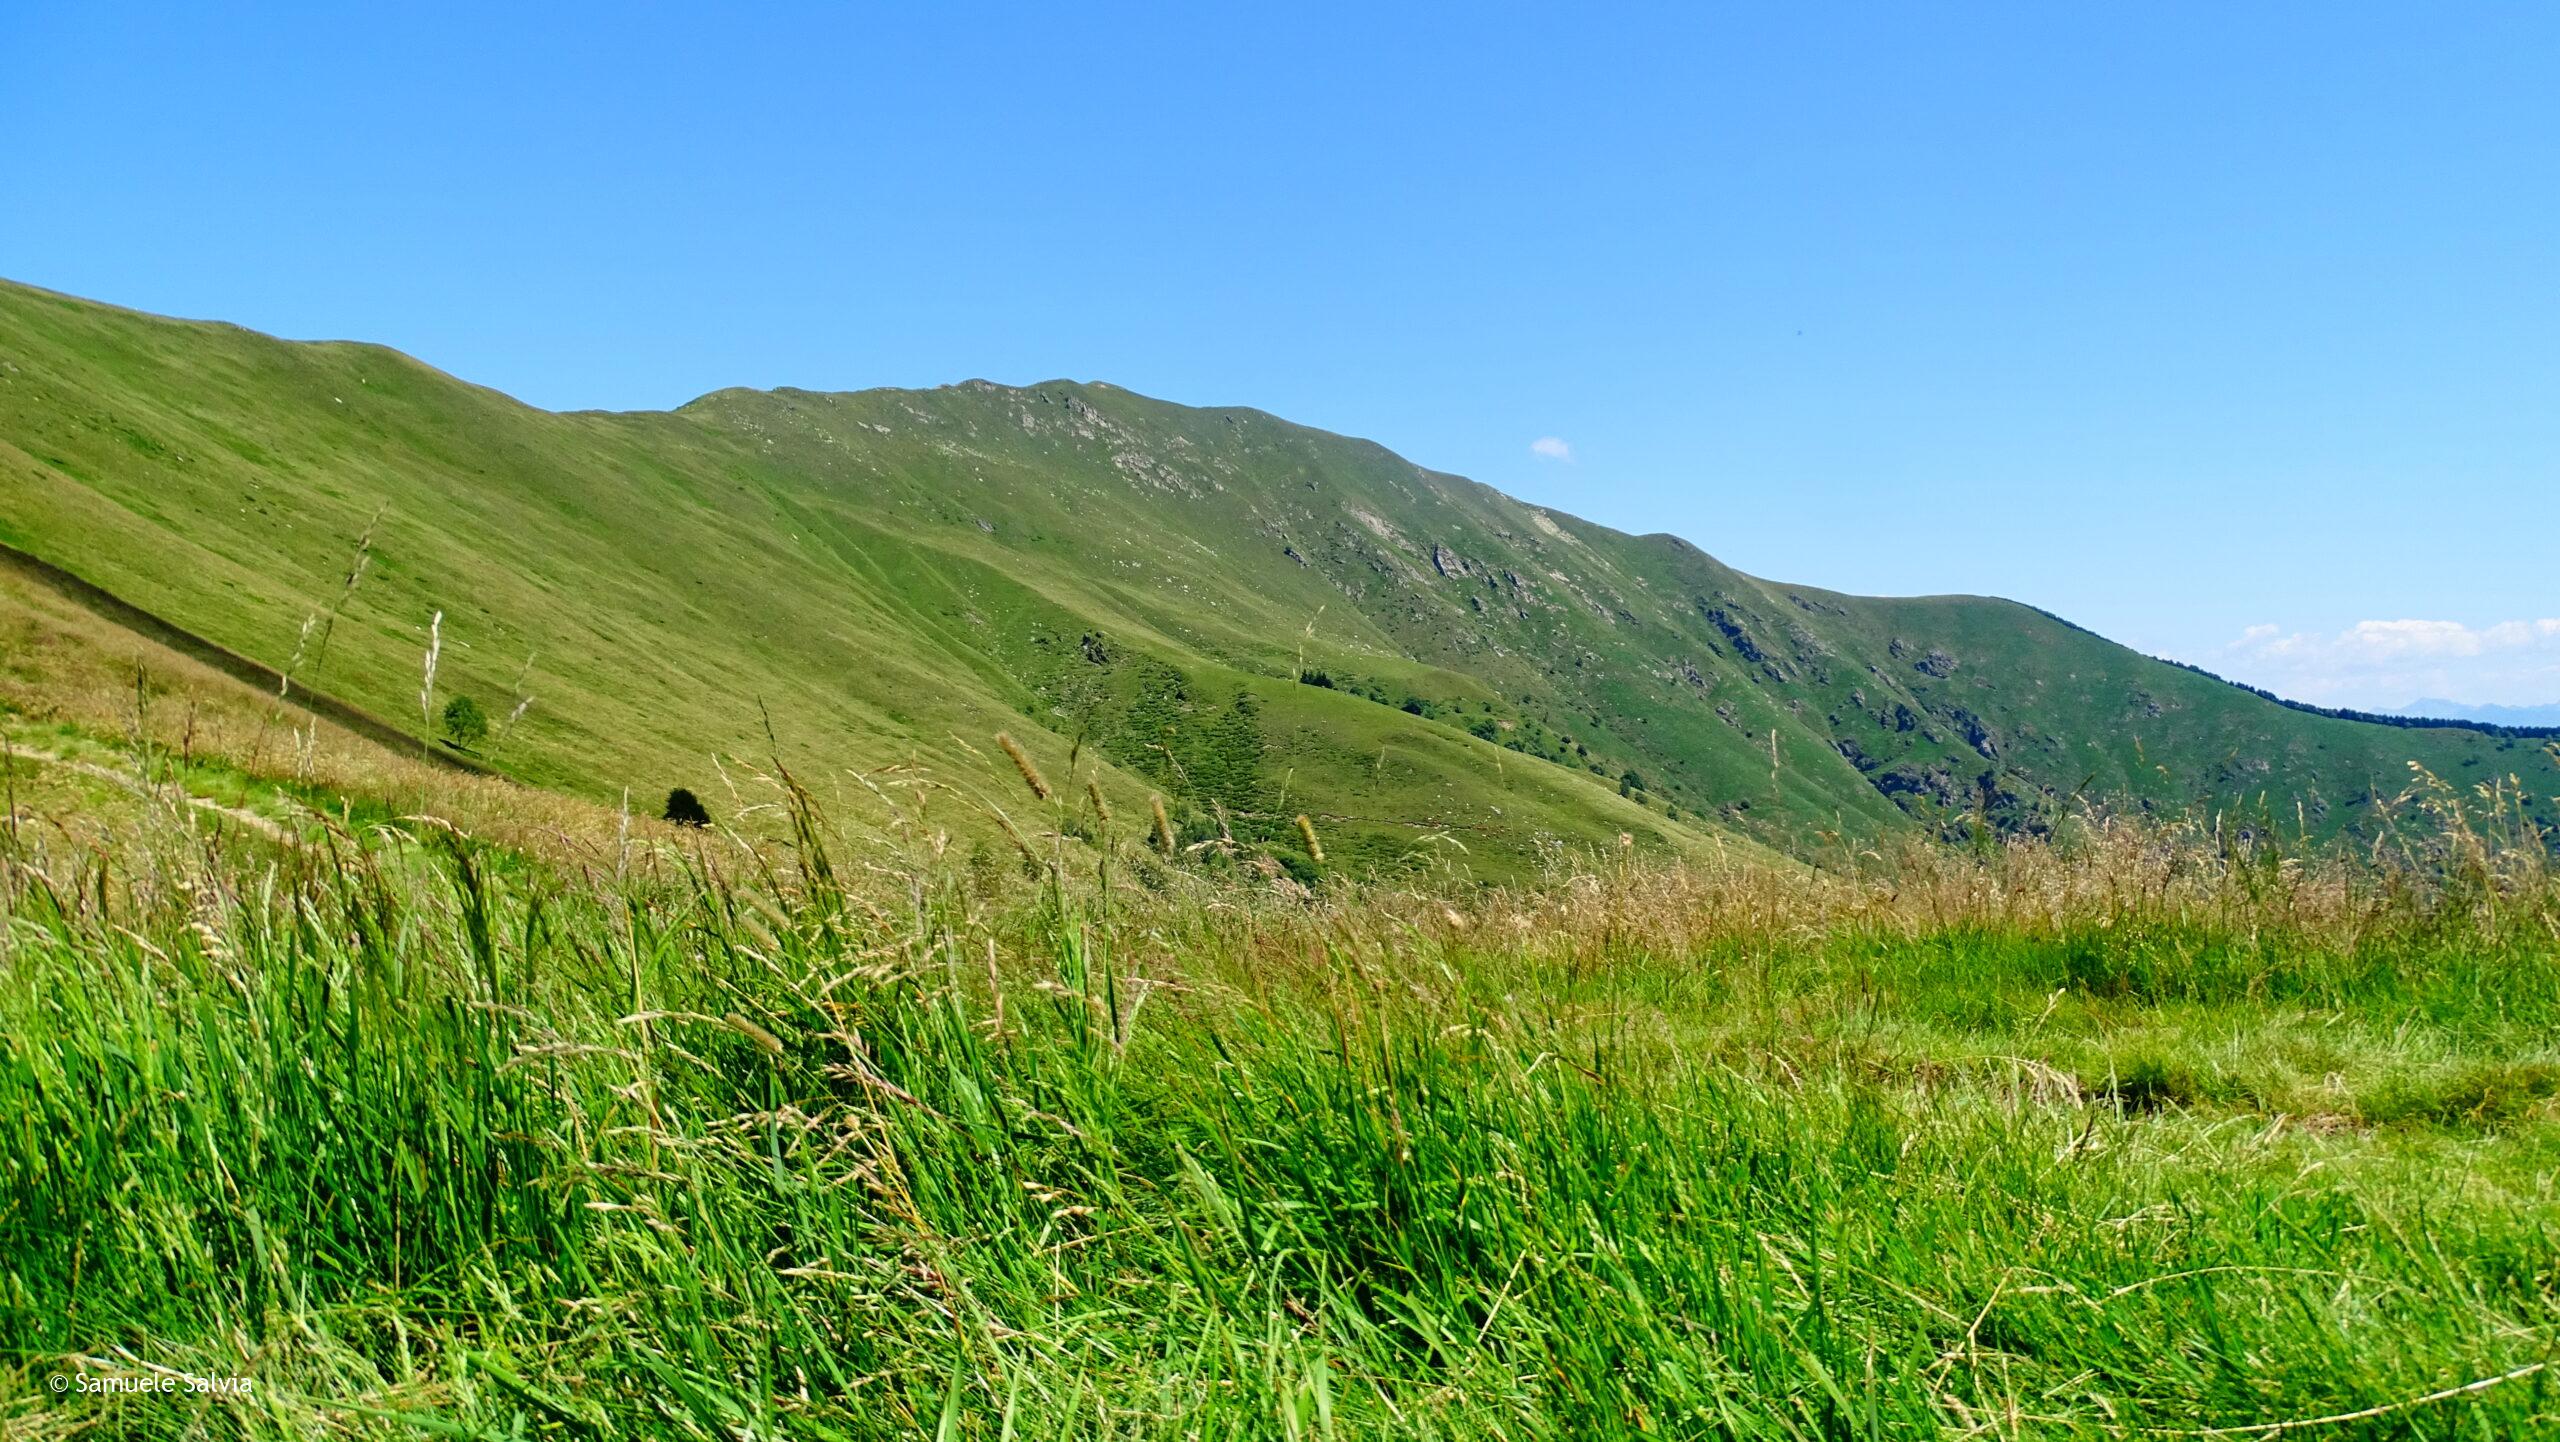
<point x="2132" y="1135"/>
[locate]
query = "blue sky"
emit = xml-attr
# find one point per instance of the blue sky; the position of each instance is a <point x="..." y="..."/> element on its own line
<point x="2230" y="331"/>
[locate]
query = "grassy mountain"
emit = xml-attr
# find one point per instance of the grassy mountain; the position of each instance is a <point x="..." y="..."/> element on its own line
<point x="1251" y="617"/>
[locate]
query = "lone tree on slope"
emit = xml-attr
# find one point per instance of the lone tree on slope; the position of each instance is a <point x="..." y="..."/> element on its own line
<point x="465" y="723"/>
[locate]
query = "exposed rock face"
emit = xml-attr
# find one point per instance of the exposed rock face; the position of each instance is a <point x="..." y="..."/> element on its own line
<point x="1977" y="733"/>
<point x="1449" y="563"/>
<point x="1735" y="632"/>
<point x="1908" y="783"/>
<point x="1937" y="663"/>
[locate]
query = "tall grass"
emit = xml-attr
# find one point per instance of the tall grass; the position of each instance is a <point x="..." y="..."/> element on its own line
<point x="2145" y="1131"/>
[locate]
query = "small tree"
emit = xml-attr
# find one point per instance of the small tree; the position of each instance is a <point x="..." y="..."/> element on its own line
<point x="465" y="723"/>
<point x="686" y="809"/>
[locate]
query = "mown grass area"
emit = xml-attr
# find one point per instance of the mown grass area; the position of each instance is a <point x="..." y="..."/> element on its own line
<point x="2138" y="1132"/>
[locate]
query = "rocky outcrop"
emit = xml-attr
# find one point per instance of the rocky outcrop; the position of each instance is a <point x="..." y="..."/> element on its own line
<point x="1976" y="732"/>
<point x="1735" y="633"/>
<point x="1908" y="784"/>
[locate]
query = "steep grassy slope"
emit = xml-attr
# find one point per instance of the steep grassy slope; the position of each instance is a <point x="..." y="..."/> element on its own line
<point x="672" y="588"/>
<point x="1253" y="617"/>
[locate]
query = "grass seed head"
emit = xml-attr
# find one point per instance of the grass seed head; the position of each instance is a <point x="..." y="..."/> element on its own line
<point x="1031" y="776"/>
<point x="764" y="1040"/>
<point x="435" y="650"/>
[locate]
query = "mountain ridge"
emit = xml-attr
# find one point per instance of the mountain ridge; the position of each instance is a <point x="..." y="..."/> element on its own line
<point x="1246" y="614"/>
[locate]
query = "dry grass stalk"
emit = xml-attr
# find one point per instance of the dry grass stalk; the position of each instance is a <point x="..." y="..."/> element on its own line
<point x="427" y="692"/>
<point x="765" y="1041"/>
<point x="1031" y="776"/>
<point x="1020" y="843"/>
<point x="524" y="702"/>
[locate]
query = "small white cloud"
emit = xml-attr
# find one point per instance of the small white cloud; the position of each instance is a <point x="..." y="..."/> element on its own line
<point x="1553" y="448"/>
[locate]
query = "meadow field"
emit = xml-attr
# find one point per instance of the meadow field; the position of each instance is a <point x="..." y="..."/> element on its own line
<point x="682" y="760"/>
<point x="426" y="1115"/>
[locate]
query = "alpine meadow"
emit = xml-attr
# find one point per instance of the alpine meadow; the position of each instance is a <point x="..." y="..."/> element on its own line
<point x="1036" y="912"/>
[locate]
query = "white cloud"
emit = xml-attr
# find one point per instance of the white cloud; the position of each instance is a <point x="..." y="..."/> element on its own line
<point x="2386" y="664"/>
<point x="2387" y="639"/>
<point x="1553" y="448"/>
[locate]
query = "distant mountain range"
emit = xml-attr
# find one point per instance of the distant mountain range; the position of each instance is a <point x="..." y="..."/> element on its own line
<point x="2492" y="714"/>
<point x="1249" y="617"/>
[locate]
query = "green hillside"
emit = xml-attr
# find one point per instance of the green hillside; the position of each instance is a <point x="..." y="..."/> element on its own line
<point x="1251" y="617"/>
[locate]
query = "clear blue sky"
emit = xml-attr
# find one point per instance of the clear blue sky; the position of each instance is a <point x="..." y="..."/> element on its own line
<point x="2178" y="320"/>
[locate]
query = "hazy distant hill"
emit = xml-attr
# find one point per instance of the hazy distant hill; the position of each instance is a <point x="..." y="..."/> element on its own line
<point x="2492" y="714"/>
<point x="1252" y="617"/>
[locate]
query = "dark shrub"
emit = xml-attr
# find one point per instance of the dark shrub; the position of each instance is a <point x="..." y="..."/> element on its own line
<point x="686" y="809"/>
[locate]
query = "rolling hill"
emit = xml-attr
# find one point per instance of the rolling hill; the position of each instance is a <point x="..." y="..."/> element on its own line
<point x="1251" y="617"/>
